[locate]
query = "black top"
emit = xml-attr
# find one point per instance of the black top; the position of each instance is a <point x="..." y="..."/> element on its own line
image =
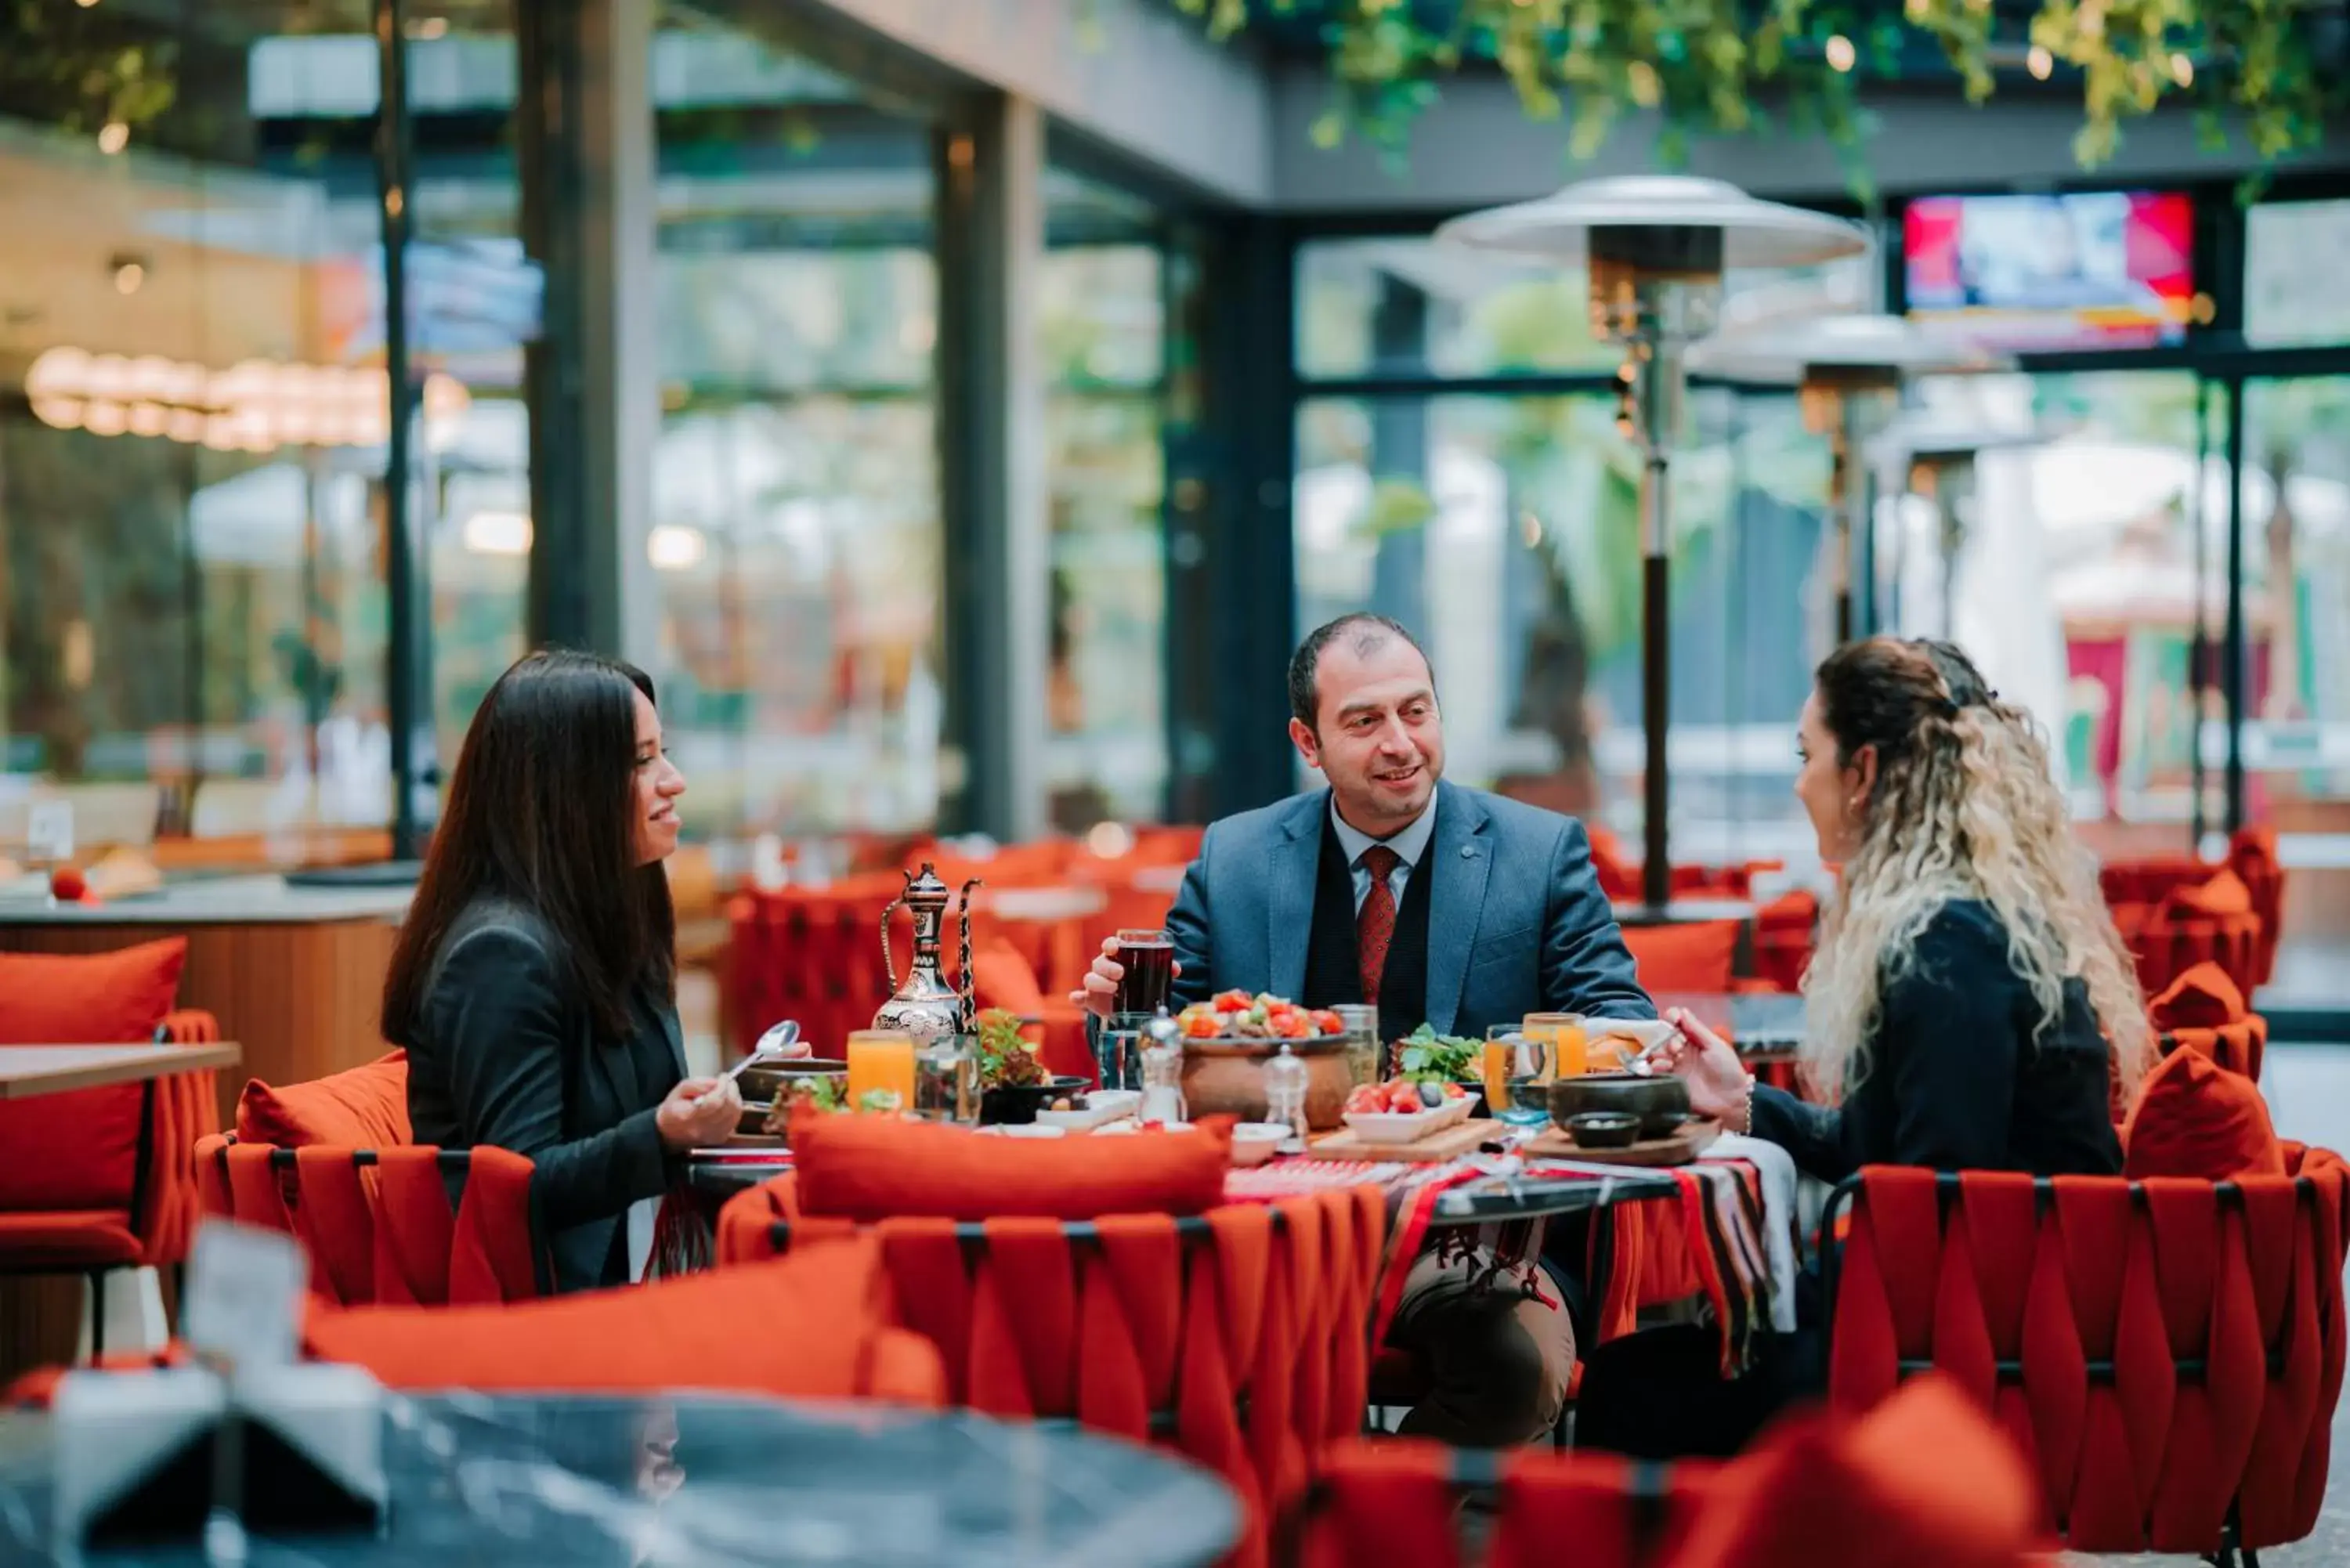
<point x="1953" y="1079"/>
<point x="507" y="1053"/>
<point x="1334" y="965"/>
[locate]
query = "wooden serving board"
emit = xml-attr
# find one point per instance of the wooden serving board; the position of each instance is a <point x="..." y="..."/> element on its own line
<point x="1446" y="1143"/>
<point x="1688" y="1140"/>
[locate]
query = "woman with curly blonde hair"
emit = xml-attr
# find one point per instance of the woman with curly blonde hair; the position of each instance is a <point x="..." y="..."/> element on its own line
<point x="1970" y="1005"/>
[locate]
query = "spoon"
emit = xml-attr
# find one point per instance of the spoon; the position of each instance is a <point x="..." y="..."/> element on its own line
<point x="774" y="1043"/>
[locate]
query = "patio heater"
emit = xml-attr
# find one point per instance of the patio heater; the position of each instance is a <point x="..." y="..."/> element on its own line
<point x="1654" y="247"/>
<point x="1848" y="372"/>
<point x="1936" y="456"/>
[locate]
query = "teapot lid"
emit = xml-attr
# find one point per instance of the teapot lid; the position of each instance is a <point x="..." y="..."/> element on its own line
<point x="926" y="887"/>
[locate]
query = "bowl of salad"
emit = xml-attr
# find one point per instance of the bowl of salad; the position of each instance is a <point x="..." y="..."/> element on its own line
<point x="1228" y="1039"/>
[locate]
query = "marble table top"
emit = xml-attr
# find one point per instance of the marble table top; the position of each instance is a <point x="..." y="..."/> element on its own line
<point x="482" y="1480"/>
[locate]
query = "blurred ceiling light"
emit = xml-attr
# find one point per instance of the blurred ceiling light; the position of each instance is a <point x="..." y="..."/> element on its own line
<point x="85" y="5"/>
<point x="2182" y="70"/>
<point x="127" y="276"/>
<point x="430" y="27"/>
<point x="257" y="405"/>
<point x="2040" y="62"/>
<point x="1841" y="54"/>
<point x="498" y="534"/>
<point x="1110" y="840"/>
<point x="113" y="136"/>
<point x="675" y="547"/>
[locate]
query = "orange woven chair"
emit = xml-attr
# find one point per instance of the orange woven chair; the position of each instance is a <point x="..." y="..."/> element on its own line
<point x="94" y="1181"/>
<point x="2203" y="1011"/>
<point x="377" y="1224"/>
<point x="2252" y="857"/>
<point x="824" y="1331"/>
<point x="1236" y="1336"/>
<point x="1815" y="1492"/>
<point x="2166" y="941"/>
<point x="2167" y="1355"/>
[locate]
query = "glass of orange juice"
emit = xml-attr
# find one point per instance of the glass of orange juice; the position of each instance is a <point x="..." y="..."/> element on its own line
<point x="880" y="1059"/>
<point x="1516" y="1064"/>
<point x="1568" y="1043"/>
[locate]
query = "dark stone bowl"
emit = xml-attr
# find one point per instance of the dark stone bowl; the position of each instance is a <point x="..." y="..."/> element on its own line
<point x="1017" y="1104"/>
<point x="1661" y="1102"/>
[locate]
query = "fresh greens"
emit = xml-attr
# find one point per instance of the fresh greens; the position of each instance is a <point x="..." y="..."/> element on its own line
<point x="1446" y="1058"/>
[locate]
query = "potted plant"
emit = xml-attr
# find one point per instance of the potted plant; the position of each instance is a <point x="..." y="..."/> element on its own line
<point x="1013" y="1083"/>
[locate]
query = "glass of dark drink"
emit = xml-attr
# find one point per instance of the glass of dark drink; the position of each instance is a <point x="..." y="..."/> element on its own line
<point x="1149" y="958"/>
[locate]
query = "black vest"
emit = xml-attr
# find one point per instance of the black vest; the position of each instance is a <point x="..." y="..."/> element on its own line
<point x="1333" y="969"/>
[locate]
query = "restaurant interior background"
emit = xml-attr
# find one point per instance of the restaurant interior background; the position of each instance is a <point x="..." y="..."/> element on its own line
<point x="963" y="457"/>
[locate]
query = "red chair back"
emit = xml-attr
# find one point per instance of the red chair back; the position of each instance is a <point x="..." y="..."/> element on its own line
<point x="377" y="1224"/>
<point x="2166" y="1354"/>
<point x="1237" y="1336"/>
<point x="1697" y="957"/>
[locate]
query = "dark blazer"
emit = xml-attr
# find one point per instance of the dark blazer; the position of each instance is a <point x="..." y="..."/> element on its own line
<point x="1953" y="1078"/>
<point x="506" y="1055"/>
<point x="1516" y="922"/>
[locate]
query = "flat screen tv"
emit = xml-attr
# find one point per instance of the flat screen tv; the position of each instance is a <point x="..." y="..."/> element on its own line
<point x="2108" y="269"/>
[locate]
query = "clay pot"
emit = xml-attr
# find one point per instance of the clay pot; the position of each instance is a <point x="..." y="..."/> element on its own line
<point x="1225" y="1076"/>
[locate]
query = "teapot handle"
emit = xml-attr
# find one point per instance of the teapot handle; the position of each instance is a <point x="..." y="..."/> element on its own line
<point x="966" y="987"/>
<point x="888" y="958"/>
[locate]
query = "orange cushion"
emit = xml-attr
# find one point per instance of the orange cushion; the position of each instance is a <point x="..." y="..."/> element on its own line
<point x="82" y="999"/>
<point x="1696" y="958"/>
<point x="2194" y="1118"/>
<point x="2224" y="894"/>
<point x="1822" y="1493"/>
<point x="819" y="1311"/>
<point x="364" y="1107"/>
<point x="80" y="1150"/>
<point x="2202" y="997"/>
<point x="874" y="1168"/>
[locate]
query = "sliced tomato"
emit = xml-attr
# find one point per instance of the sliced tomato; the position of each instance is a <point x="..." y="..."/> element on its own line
<point x="1234" y="1002"/>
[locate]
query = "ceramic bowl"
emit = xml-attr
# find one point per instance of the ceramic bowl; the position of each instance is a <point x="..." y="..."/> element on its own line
<point x="1662" y="1103"/>
<point x="1604" y="1129"/>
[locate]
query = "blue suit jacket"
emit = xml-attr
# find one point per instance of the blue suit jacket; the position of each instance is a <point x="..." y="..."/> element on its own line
<point x="1516" y="922"/>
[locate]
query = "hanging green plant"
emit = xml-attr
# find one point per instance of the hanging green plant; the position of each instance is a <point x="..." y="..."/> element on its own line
<point x="74" y="68"/>
<point x="1701" y="64"/>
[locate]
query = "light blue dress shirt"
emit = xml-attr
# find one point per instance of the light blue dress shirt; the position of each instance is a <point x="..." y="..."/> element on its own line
<point x="1410" y="845"/>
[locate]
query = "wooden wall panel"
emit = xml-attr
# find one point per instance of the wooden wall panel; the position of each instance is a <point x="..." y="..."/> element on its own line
<point x="301" y="997"/>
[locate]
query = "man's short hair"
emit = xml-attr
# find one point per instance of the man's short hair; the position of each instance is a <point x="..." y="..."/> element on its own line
<point x="1364" y="633"/>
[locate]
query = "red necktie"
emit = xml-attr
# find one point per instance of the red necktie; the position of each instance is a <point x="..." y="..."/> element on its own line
<point x="1375" y="923"/>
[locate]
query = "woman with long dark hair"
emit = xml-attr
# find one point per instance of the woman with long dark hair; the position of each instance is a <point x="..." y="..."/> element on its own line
<point x="535" y="980"/>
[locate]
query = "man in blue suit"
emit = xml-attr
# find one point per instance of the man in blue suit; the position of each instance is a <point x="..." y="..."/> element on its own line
<point x="1436" y="903"/>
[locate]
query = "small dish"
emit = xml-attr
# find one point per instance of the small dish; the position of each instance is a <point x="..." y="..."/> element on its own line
<point x="1253" y="1143"/>
<point x="1604" y="1129"/>
<point x="1408" y="1126"/>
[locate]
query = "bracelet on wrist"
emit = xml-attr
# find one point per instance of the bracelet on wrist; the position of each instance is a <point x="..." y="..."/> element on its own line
<point x="1742" y="1117"/>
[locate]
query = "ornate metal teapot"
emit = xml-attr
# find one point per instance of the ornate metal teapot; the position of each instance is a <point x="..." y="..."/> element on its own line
<point x="927" y="1005"/>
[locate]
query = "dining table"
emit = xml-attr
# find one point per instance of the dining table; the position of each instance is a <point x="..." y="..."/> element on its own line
<point x="27" y="1071"/>
<point x="484" y="1480"/>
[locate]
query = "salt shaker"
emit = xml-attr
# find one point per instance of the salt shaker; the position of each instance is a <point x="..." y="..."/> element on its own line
<point x="1284" y="1093"/>
<point x="1162" y="1070"/>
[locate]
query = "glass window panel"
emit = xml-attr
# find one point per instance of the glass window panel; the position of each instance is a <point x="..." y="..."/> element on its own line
<point x="2293" y="291"/>
<point x="191" y="430"/>
<point x="2296" y="583"/>
<point x="797" y="530"/>
<point x="1102" y="320"/>
<point x="2070" y="560"/>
